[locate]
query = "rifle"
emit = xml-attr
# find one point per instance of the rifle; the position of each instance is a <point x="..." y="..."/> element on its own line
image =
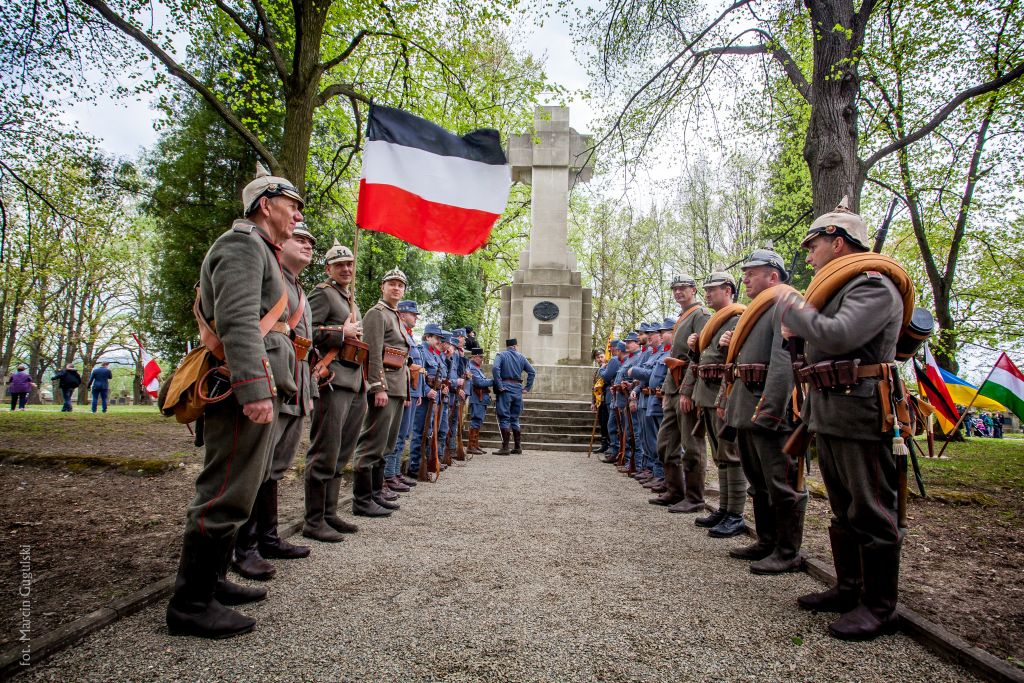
<point x="631" y="468"/>
<point x="428" y="445"/>
<point x="460" y="450"/>
<point x="800" y="440"/>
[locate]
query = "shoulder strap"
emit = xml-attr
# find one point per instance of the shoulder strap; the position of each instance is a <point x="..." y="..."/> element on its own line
<point x="715" y="324"/>
<point x="209" y="337"/>
<point x="683" y="316"/>
<point x="761" y="303"/>
<point x="296" y="315"/>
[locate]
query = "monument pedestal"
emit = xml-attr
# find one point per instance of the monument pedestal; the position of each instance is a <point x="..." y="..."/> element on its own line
<point x="546" y="308"/>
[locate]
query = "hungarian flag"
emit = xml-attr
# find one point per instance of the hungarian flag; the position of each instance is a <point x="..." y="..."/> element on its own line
<point x="150" y="371"/>
<point x="929" y="380"/>
<point x="1005" y="384"/>
<point x="429" y="187"/>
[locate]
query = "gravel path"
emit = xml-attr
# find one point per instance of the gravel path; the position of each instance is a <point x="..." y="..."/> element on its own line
<point x="542" y="567"/>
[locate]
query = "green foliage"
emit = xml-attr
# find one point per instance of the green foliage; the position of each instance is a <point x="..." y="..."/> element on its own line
<point x="459" y="298"/>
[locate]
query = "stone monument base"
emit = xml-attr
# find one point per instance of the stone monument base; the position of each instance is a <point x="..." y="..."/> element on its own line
<point x="563" y="383"/>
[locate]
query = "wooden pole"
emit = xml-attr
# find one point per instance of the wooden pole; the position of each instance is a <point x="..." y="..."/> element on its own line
<point x="966" y="410"/>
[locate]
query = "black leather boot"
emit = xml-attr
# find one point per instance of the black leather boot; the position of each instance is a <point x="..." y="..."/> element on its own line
<point x="844" y="596"/>
<point x="789" y="537"/>
<point x="506" y="434"/>
<point x="193" y="610"/>
<point x="711" y="520"/>
<point x="229" y="593"/>
<point x="314" y="526"/>
<point x="377" y="481"/>
<point x="331" y="509"/>
<point x="764" y="521"/>
<point x="517" y="435"/>
<point x="731" y="525"/>
<point x="363" y="504"/>
<point x="270" y="545"/>
<point x="247" y="560"/>
<point x="673" y="486"/>
<point x="876" y="613"/>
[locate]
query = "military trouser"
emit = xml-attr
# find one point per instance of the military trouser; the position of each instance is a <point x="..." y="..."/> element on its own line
<point x="652" y="424"/>
<point x="236" y="463"/>
<point x="638" y="429"/>
<point x="676" y="443"/>
<point x="287" y="435"/>
<point x="419" y="426"/>
<point x="732" y="485"/>
<point x="442" y="428"/>
<point x="613" y="428"/>
<point x="336" y="423"/>
<point x="477" y="412"/>
<point x="772" y="474"/>
<point x="379" y="434"/>
<point x="862" y="479"/>
<point x="393" y="461"/>
<point x="510" y="406"/>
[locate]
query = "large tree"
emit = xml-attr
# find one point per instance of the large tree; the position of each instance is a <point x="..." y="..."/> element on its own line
<point x="631" y="35"/>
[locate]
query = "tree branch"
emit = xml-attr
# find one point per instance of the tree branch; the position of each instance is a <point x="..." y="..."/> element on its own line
<point x="268" y="42"/>
<point x="779" y="54"/>
<point x="176" y="70"/>
<point x="336" y="89"/>
<point x="942" y="115"/>
<point x="345" y="54"/>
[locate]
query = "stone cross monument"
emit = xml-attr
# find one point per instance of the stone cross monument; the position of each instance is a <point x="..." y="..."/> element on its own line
<point x="545" y="307"/>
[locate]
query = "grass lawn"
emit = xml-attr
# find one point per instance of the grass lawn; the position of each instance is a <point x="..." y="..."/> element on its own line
<point x="988" y="465"/>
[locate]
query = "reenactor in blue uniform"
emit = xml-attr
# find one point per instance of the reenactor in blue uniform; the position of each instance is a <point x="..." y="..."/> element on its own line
<point x="434" y="373"/>
<point x="655" y="411"/>
<point x="507" y="373"/>
<point x="608" y="373"/>
<point x="451" y="373"/>
<point x="649" y="471"/>
<point x="240" y="284"/>
<point x="408" y="312"/>
<point x="627" y="424"/>
<point x="479" y="399"/>
<point x="636" y="400"/>
<point x="459" y="369"/>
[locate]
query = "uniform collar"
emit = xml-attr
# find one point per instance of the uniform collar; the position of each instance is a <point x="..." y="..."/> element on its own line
<point x="667" y="347"/>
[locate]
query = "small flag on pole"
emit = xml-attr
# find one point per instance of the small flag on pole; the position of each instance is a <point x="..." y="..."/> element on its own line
<point x="929" y="380"/>
<point x="1005" y="384"/>
<point x="429" y="187"/>
<point x="150" y="370"/>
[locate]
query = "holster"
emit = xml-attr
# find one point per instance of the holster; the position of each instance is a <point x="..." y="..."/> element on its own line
<point x="302" y="347"/>
<point x="394" y="358"/>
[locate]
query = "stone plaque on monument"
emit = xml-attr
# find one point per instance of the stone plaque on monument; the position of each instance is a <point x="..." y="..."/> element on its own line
<point x="546" y="308"/>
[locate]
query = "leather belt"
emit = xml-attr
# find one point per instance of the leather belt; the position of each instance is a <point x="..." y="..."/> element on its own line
<point x="838" y="373"/>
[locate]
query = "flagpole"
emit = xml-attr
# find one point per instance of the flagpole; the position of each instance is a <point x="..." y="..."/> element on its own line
<point x="967" y="410"/>
<point x="355" y="264"/>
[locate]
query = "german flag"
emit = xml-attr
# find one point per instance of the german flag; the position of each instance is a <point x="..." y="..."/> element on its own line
<point x="929" y="381"/>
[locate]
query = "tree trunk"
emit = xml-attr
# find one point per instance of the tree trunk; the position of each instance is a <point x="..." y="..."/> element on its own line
<point x="830" y="148"/>
<point x="301" y="91"/>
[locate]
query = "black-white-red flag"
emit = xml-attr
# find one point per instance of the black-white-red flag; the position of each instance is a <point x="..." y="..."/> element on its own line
<point x="429" y="187"/>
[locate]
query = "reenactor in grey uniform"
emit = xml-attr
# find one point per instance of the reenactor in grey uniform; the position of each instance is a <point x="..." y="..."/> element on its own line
<point x="727" y="521"/>
<point x="680" y="418"/>
<point x="240" y="283"/>
<point x="861" y="322"/>
<point x="258" y="540"/>
<point x="338" y="413"/>
<point x="388" y="387"/>
<point x="759" y="408"/>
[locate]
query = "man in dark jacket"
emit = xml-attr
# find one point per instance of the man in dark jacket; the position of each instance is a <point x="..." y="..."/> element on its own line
<point x="99" y="382"/>
<point x="69" y="380"/>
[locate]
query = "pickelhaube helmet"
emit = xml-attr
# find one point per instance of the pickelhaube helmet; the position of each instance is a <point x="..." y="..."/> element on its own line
<point x="338" y="253"/>
<point x="719" y="277"/>
<point x="767" y="257"/>
<point x="682" y="281"/>
<point x="395" y="274"/>
<point x="840" y="222"/>
<point x="266" y="185"/>
<point x="301" y="230"/>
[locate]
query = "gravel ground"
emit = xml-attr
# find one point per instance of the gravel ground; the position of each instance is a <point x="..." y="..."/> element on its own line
<point x="542" y="567"/>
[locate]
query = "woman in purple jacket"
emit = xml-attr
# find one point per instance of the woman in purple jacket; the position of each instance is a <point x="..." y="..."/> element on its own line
<point x="19" y="385"/>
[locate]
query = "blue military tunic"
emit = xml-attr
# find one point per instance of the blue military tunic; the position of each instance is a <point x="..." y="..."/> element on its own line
<point x="479" y="396"/>
<point x="433" y="364"/>
<point x="507" y="374"/>
<point x="608" y="373"/>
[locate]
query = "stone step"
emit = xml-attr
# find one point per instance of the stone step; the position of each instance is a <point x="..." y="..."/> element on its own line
<point x="544" y="404"/>
<point x="490" y="445"/>
<point x="548" y="422"/>
<point x="546" y="437"/>
<point x="534" y="412"/>
<point x="527" y="428"/>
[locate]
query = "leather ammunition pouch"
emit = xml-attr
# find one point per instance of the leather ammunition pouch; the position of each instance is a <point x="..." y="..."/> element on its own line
<point x="394" y="359"/>
<point x="302" y="346"/>
<point x="354" y="353"/>
<point x="751" y="374"/>
<point x="414" y="375"/>
<point x="831" y="374"/>
<point x="711" y="372"/>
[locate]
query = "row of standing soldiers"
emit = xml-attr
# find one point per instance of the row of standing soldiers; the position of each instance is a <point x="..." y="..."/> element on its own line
<point x="674" y="388"/>
<point x="364" y="383"/>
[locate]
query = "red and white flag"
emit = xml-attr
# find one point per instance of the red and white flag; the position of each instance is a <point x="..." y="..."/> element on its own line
<point x="429" y="187"/>
<point x="150" y="371"/>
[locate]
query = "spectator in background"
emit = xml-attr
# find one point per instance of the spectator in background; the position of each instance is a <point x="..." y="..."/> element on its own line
<point x="69" y="380"/>
<point x="99" y="382"/>
<point x="997" y="425"/>
<point x="19" y="386"/>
